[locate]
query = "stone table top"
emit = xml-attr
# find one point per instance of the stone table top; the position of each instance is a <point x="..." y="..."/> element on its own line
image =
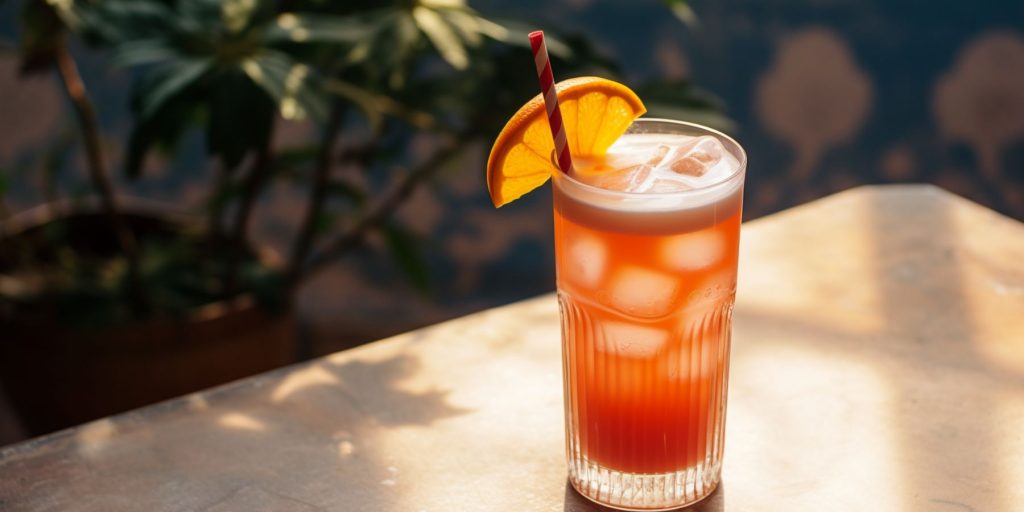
<point x="878" y="364"/>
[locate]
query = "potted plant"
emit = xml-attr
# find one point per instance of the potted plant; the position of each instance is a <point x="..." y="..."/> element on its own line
<point x="111" y="303"/>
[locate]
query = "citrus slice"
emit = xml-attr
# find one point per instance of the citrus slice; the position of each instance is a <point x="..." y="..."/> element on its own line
<point x="596" y="112"/>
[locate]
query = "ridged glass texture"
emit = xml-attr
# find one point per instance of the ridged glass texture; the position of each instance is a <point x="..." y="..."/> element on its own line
<point x="645" y="427"/>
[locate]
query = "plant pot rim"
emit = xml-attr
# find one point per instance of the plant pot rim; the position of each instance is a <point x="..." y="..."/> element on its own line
<point x="44" y="213"/>
<point x="62" y="208"/>
<point x="40" y="215"/>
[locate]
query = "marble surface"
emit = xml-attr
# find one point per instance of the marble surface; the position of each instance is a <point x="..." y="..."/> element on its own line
<point x="878" y="364"/>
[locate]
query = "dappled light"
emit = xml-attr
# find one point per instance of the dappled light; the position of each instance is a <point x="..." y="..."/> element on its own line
<point x="538" y="256"/>
<point x="197" y="402"/>
<point x="789" y="394"/>
<point x="93" y="438"/>
<point x="795" y="287"/>
<point x="240" y="421"/>
<point x="311" y="376"/>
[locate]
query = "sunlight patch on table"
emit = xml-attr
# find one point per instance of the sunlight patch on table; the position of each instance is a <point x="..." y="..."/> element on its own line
<point x="782" y="264"/>
<point x="311" y="376"/>
<point x="92" y="438"/>
<point x="995" y="293"/>
<point x="791" y="403"/>
<point x="240" y="421"/>
<point x="1008" y="423"/>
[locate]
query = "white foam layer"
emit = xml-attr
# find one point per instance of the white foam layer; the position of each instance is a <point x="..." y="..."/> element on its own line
<point x="636" y="202"/>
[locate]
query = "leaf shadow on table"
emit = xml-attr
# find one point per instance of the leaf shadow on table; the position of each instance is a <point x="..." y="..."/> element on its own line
<point x="387" y="403"/>
<point x="574" y="502"/>
<point x="330" y="418"/>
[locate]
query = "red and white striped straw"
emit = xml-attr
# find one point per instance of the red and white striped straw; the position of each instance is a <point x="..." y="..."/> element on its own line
<point x="547" y="89"/>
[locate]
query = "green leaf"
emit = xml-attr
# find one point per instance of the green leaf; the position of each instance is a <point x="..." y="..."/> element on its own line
<point x="144" y="51"/>
<point x="175" y="77"/>
<point x="680" y="99"/>
<point x="682" y="10"/>
<point x="467" y="24"/>
<point x="303" y="28"/>
<point x="514" y="32"/>
<point x="116" y="22"/>
<point x="679" y="93"/>
<point x="403" y="247"/>
<point x="236" y="14"/>
<point x="441" y="36"/>
<point x="362" y="99"/>
<point x="705" y="117"/>
<point x="163" y="127"/>
<point x="290" y="83"/>
<point x="407" y="38"/>
<point x="443" y="4"/>
<point x="241" y="116"/>
<point x="375" y="106"/>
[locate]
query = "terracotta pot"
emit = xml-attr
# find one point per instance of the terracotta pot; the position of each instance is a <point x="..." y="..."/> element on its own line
<point x="57" y="377"/>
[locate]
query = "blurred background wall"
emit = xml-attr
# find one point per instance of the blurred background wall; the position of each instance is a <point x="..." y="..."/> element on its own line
<point x="824" y="94"/>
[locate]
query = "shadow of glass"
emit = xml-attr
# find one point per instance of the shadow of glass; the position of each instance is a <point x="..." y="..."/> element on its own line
<point x="575" y="502"/>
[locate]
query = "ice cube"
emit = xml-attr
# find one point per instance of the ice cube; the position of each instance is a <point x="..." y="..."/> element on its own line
<point x="587" y="257"/>
<point x="693" y="251"/>
<point x="656" y="156"/>
<point x="697" y="157"/>
<point x="632" y="340"/>
<point x="627" y="156"/>
<point x="642" y="292"/>
<point x="626" y="170"/>
<point x="667" y="185"/>
<point x="630" y="179"/>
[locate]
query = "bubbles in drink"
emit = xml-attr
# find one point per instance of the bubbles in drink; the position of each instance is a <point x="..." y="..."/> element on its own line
<point x="632" y="340"/>
<point x="642" y="292"/>
<point x="693" y="251"/>
<point x="715" y="288"/>
<point x="588" y="257"/>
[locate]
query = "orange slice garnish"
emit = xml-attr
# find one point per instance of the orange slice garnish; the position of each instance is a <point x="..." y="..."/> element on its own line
<point x="596" y="112"/>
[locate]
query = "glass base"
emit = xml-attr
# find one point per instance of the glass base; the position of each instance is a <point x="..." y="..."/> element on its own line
<point x="644" y="491"/>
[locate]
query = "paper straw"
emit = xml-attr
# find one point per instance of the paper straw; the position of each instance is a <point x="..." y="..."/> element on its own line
<point x="547" y="90"/>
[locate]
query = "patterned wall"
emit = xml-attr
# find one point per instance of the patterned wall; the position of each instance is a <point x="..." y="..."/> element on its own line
<point x="825" y="94"/>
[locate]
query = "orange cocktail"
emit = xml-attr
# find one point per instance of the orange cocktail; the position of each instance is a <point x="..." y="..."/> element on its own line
<point x="646" y="241"/>
<point x="647" y="219"/>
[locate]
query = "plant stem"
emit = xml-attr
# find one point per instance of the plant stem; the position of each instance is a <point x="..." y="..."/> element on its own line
<point x="89" y="126"/>
<point x="239" y="230"/>
<point x="318" y="194"/>
<point x="385" y="208"/>
<point x="215" y="204"/>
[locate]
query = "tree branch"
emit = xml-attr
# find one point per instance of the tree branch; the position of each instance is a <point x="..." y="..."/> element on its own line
<point x="88" y="124"/>
<point x="383" y="210"/>
<point x="215" y="204"/>
<point x="318" y="194"/>
<point x="251" y="187"/>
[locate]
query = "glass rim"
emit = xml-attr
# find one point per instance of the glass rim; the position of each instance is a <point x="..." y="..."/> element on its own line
<point x="740" y="169"/>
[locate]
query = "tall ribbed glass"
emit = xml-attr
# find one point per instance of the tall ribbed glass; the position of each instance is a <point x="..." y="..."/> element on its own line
<point x="646" y="284"/>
